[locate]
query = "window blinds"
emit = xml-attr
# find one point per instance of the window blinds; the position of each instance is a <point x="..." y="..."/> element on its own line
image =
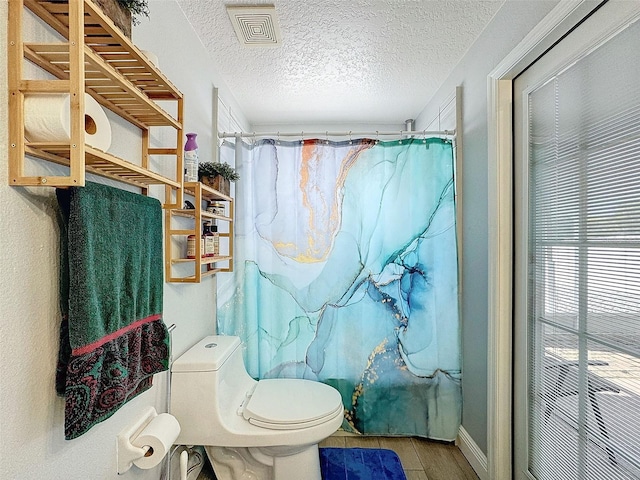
<point x="584" y="267"/>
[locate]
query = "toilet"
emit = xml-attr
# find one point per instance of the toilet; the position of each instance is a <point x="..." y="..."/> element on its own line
<point x="251" y="430"/>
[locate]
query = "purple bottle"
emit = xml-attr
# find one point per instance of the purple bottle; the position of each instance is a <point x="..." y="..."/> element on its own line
<point x="191" y="158"/>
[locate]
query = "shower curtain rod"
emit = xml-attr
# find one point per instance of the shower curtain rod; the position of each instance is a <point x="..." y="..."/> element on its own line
<point x="349" y="134"/>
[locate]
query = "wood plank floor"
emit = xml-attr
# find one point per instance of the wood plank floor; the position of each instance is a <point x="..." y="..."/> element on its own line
<point x="421" y="459"/>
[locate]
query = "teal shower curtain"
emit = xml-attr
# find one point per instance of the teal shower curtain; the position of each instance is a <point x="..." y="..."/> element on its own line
<point x="346" y="272"/>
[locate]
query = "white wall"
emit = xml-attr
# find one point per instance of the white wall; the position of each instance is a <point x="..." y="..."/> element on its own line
<point x="512" y="22"/>
<point x="184" y="60"/>
<point x="32" y="444"/>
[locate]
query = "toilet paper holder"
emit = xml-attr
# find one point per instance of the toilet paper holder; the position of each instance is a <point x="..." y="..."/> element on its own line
<point x="126" y="452"/>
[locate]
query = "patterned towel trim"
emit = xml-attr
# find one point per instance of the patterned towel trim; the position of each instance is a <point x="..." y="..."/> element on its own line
<point x="99" y="382"/>
<point x="112" y="336"/>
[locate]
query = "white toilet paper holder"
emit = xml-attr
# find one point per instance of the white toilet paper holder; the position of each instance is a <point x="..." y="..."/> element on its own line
<point x="126" y="452"/>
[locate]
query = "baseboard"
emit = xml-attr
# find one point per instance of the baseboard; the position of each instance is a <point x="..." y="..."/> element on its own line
<point x="476" y="457"/>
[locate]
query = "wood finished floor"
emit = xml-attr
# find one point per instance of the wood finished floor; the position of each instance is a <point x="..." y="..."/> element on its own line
<point x="421" y="459"/>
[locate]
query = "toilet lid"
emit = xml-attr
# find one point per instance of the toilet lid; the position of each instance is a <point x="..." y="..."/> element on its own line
<point x="286" y="403"/>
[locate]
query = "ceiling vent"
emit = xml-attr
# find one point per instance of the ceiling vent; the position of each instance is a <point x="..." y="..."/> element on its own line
<point x="255" y="26"/>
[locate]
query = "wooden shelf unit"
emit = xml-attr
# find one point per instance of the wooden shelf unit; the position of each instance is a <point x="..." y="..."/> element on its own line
<point x="97" y="59"/>
<point x="202" y="267"/>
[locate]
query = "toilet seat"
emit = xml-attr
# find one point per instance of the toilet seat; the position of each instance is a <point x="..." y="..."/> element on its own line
<point x="286" y="404"/>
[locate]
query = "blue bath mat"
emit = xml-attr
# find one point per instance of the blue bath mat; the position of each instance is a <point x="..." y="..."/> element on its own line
<point x="360" y="464"/>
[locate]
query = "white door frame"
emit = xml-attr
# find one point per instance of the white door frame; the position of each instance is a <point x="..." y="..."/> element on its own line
<point x="562" y="19"/>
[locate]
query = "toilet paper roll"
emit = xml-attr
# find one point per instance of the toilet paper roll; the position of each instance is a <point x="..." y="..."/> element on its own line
<point x="159" y="435"/>
<point x="47" y="119"/>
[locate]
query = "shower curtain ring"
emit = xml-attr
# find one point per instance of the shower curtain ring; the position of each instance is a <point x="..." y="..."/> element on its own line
<point x="326" y="137"/>
<point x="278" y="139"/>
<point x="377" y="137"/>
<point x="424" y="136"/>
<point x="350" y="139"/>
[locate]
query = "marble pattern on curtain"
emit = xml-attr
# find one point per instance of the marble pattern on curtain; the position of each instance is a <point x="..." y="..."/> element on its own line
<point x="346" y="272"/>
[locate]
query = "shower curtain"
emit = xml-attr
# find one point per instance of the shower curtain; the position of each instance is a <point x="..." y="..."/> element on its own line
<point x="346" y="272"/>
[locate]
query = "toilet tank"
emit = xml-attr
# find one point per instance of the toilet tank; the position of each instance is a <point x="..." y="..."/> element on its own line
<point x="208" y="384"/>
<point x="208" y="355"/>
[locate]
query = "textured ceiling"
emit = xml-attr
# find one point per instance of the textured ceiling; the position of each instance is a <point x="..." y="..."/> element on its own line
<point x="342" y="61"/>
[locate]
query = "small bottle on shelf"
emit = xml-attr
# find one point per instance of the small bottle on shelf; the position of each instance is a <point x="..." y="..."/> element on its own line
<point x="191" y="158"/>
<point x="191" y="246"/>
<point x="209" y="243"/>
<point x="217" y="208"/>
<point x="216" y="240"/>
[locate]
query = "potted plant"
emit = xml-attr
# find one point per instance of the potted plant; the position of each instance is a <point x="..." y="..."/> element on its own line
<point x="217" y="175"/>
<point x="122" y="12"/>
<point x="136" y="7"/>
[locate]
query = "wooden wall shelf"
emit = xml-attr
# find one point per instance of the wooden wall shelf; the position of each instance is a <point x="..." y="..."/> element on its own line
<point x="96" y="58"/>
<point x="176" y="238"/>
<point x="109" y="82"/>
<point x="99" y="163"/>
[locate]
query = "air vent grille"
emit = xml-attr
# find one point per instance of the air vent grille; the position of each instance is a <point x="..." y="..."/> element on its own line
<point x="255" y="26"/>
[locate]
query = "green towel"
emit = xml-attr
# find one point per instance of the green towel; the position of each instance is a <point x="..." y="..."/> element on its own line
<point x="112" y="337"/>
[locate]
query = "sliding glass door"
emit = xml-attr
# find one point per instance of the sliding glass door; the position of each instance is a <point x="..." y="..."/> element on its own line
<point x="577" y="277"/>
